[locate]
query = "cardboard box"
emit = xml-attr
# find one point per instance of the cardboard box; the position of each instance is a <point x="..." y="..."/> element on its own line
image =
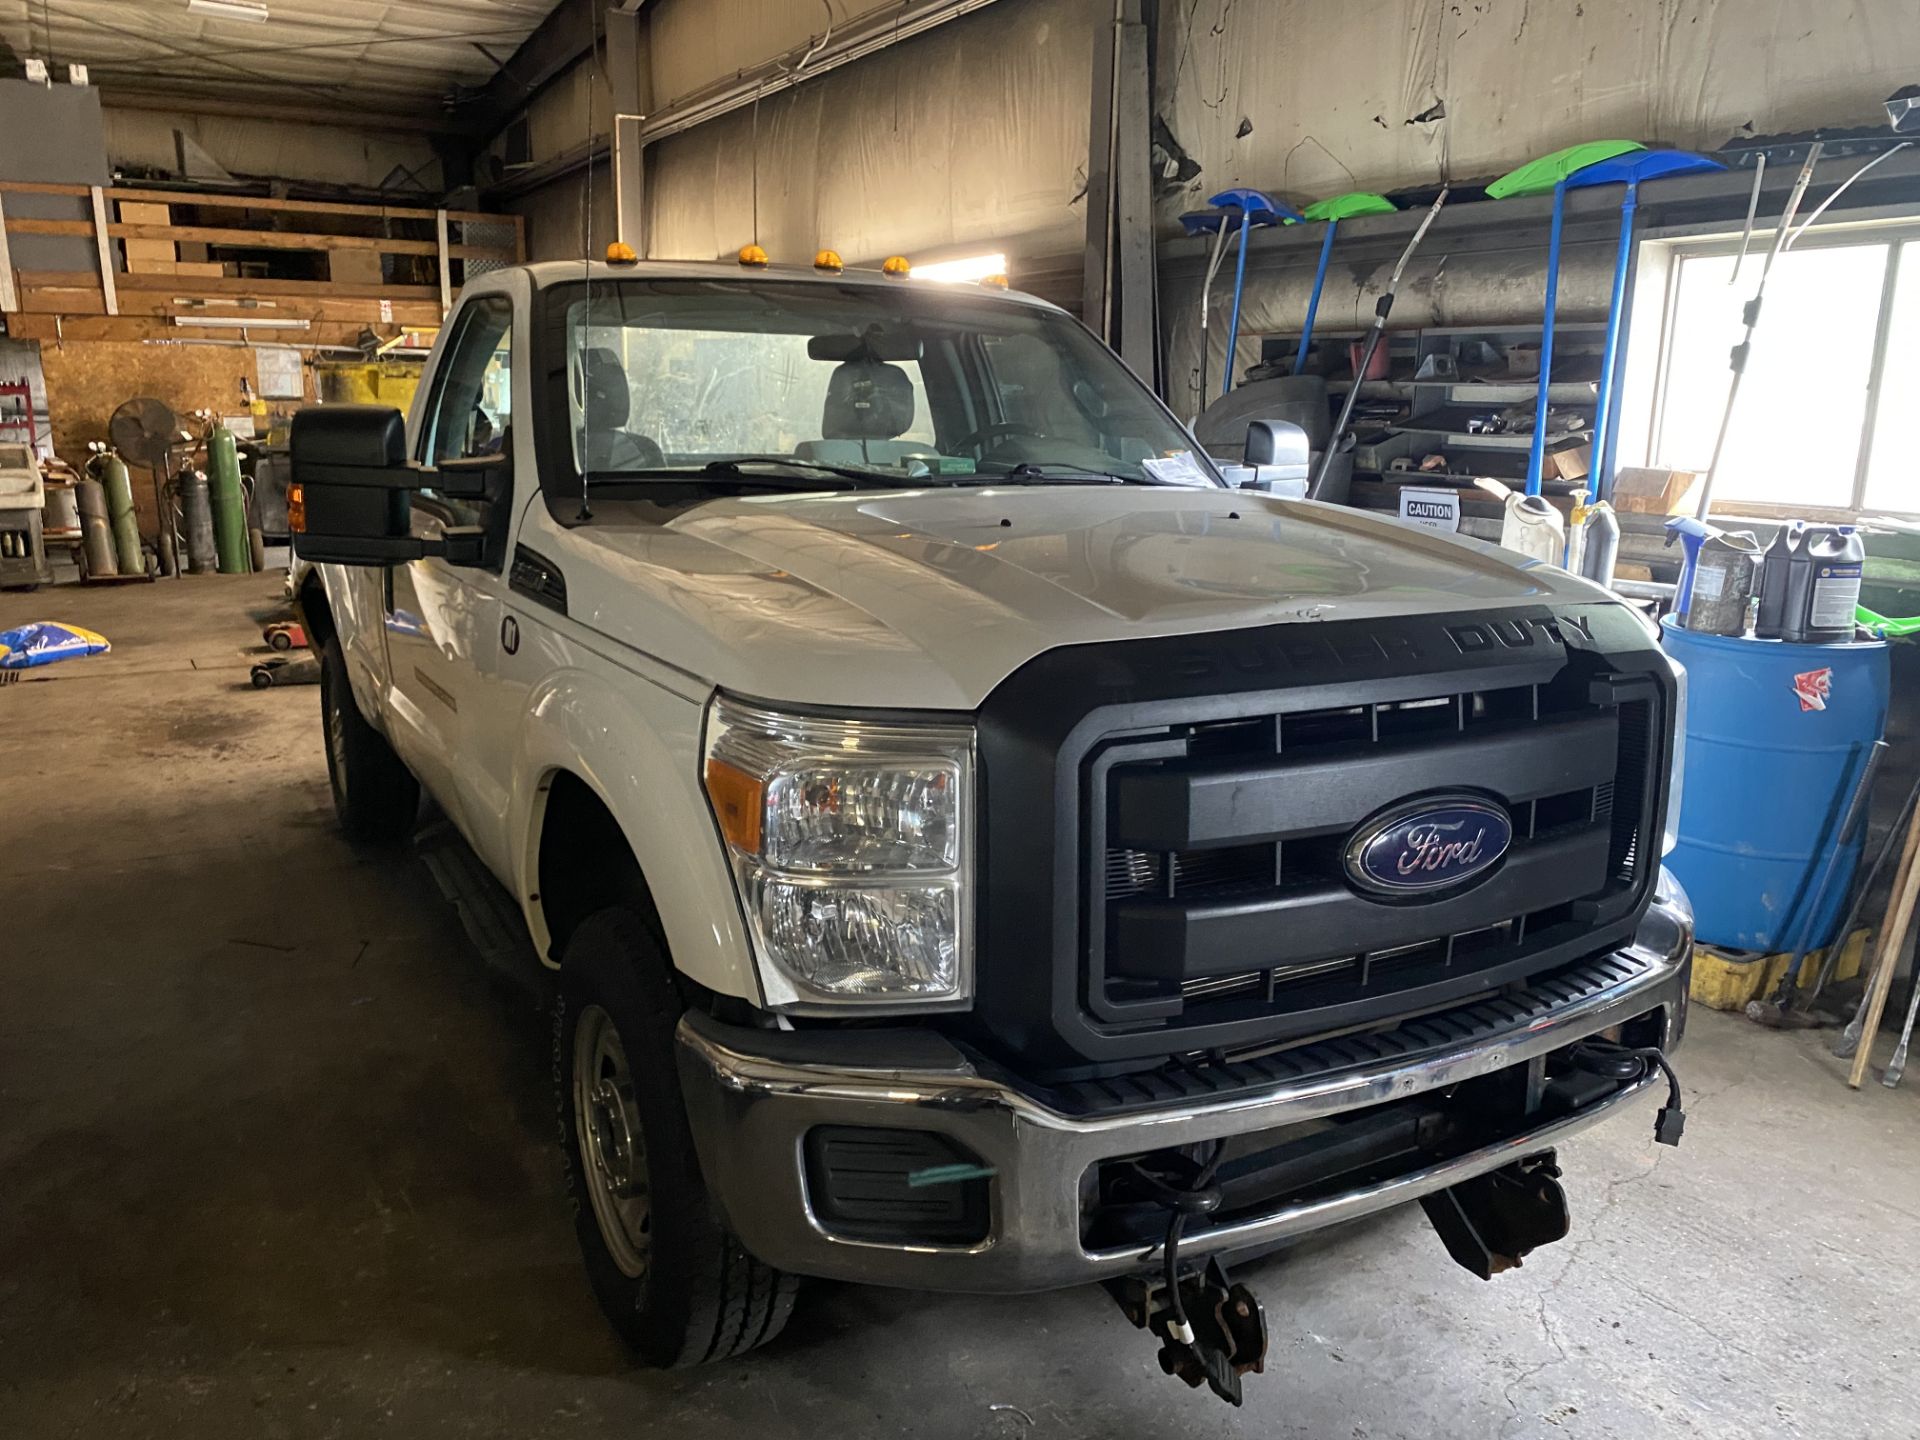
<point x="151" y="267"/>
<point x="134" y="212"/>
<point x="201" y="270"/>
<point x="1649" y="491"/>
<point x="149" y="250"/>
<point x="1569" y="462"/>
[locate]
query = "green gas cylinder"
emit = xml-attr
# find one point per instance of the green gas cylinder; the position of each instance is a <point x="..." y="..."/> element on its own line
<point x="111" y="471"/>
<point x="229" y="502"/>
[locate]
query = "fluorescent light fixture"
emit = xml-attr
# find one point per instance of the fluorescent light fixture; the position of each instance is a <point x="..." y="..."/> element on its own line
<point x="229" y="9"/>
<point x="240" y="322"/>
<point x="969" y="268"/>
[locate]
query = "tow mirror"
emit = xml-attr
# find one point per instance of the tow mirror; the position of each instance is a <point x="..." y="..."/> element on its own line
<point x="350" y="495"/>
<point x="1276" y="442"/>
<point x="1277" y="458"/>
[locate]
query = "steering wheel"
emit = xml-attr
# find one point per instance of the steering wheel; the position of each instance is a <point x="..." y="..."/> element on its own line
<point x="998" y="430"/>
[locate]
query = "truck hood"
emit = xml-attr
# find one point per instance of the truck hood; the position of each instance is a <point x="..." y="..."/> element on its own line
<point x="930" y="598"/>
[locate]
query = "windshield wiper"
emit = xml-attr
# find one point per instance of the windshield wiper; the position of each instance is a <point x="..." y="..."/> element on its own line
<point x="1028" y="472"/>
<point x="736" y="469"/>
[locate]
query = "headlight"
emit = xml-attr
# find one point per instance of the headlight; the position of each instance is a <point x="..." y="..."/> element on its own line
<point x="1677" y="767"/>
<point x="851" y="848"/>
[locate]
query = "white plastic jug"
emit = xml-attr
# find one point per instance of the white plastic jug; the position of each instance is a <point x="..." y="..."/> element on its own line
<point x="1533" y="527"/>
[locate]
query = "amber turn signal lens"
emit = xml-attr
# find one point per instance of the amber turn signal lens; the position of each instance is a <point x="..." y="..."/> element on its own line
<point x="297" y="509"/>
<point x="739" y="803"/>
<point x="752" y="255"/>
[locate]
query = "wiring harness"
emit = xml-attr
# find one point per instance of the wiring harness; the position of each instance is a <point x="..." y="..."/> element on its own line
<point x="1632" y="1064"/>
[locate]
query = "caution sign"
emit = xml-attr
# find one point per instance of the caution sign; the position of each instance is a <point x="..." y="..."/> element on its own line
<point x="1435" y="509"/>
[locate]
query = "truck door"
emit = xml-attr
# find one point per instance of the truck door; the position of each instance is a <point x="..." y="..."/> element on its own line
<point x="443" y="621"/>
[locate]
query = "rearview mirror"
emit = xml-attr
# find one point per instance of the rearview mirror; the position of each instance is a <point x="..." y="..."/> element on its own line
<point x="350" y="494"/>
<point x="874" y="343"/>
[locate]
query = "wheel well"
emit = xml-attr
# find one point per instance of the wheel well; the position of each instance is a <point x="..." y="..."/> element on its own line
<point x="585" y="863"/>
<point x="316" y="616"/>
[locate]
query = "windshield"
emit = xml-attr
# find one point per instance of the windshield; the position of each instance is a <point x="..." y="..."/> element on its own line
<point x="838" y="384"/>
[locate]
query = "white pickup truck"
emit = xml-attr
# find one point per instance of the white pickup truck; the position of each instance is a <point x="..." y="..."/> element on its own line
<point x="980" y="850"/>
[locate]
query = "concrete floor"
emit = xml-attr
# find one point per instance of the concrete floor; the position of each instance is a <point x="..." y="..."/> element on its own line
<point x="276" y="1159"/>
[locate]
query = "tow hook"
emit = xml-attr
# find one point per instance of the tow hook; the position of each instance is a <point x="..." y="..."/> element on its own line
<point x="1216" y="1334"/>
<point x="1493" y="1221"/>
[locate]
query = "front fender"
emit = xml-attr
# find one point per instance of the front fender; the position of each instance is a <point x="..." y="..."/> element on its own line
<point x="636" y="745"/>
<point x="356" y="598"/>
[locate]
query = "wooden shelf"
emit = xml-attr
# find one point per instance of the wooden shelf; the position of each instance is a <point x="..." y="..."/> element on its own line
<point x="112" y="303"/>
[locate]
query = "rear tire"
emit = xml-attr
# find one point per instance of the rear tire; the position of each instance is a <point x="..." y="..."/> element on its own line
<point x="672" y="1279"/>
<point x="374" y="794"/>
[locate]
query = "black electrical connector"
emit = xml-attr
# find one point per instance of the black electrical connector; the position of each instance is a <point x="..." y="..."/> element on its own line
<point x="1621" y="1062"/>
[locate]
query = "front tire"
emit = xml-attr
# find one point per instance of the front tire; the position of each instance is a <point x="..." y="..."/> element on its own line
<point x="374" y="794"/>
<point x="670" y="1276"/>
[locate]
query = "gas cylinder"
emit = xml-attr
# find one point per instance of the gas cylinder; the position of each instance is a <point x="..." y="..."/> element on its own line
<point x="1823" y="587"/>
<point x="111" y="471"/>
<point x="196" y="515"/>
<point x="96" y="538"/>
<point x="228" y="499"/>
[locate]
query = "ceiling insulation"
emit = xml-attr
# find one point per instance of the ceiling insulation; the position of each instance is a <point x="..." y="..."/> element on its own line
<point x="382" y="58"/>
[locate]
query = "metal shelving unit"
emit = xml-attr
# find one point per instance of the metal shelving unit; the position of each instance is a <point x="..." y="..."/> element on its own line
<point x="1432" y="413"/>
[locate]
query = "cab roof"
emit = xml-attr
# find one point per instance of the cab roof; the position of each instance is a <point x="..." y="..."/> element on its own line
<point x="560" y="272"/>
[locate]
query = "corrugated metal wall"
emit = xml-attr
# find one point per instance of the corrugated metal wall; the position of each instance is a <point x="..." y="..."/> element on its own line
<point x="976" y="133"/>
<point x="557" y="218"/>
<point x="973" y="134"/>
<point x="1331" y="94"/>
<point x="693" y="43"/>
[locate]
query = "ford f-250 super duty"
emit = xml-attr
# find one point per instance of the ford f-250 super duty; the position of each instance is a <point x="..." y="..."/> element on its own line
<point x="980" y="850"/>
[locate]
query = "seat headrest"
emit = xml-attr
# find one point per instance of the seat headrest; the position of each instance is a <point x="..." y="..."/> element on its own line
<point x="867" y="400"/>
<point x="608" y="399"/>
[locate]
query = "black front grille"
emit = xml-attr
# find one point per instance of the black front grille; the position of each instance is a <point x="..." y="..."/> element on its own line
<point x="1217" y="883"/>
<point x="1192" y="892"/>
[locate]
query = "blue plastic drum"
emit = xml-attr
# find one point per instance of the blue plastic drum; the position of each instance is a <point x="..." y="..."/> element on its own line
<point x="1776" y="737"/>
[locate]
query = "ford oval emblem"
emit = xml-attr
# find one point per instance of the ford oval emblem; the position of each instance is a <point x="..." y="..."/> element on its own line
<point x="1430" y="843"/>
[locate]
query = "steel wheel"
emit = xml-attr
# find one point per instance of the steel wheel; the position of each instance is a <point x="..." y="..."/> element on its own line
<point x="607" y="1125"/>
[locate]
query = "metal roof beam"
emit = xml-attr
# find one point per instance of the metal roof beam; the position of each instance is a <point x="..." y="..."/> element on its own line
<point x="558" y="42"/>
<point x="853" y="40"/>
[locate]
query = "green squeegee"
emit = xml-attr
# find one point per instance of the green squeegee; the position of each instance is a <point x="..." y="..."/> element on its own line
<point x="1537" y="177"/>
<point x="1345" y="207"/>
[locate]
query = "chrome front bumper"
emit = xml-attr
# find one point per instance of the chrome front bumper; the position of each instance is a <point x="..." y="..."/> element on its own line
<point x="751" y="1107"/>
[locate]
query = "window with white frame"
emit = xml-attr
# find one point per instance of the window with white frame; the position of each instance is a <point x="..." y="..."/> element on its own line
<point x="1823" y="411"/>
